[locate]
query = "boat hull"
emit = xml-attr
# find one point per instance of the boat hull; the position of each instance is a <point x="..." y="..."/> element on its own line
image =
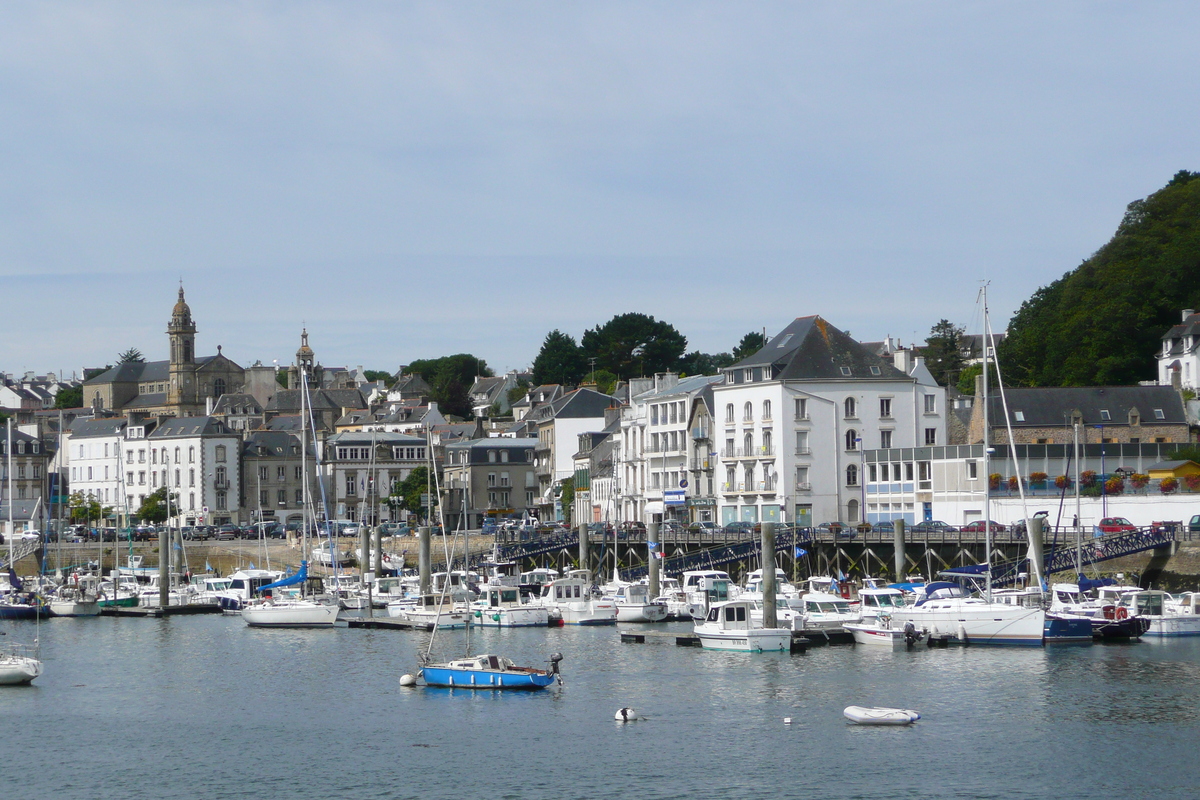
<point x="876" y="635"/>
<point x="641" y="612"/>
<point x="523" y="617"/>
<point x="18" y="670"/>
<point x="23" y="611"/>
<point x="861" y="715"/>
<point x="486" y="679"/>
<point x="290" y="615"/>
<point x="756" y="640"/>
<point x="74" y="608"/>
<point x="1173" y="625"/>
<point x="979" y="623"/>
<point x="1067" y="630"/>
<point x="590" y="613"/>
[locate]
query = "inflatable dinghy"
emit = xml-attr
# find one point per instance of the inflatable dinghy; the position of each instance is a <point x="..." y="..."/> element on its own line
<point x="880" y="716"/>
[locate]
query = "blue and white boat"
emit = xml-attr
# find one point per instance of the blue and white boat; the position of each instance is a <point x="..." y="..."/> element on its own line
<point x="490" y="672"/>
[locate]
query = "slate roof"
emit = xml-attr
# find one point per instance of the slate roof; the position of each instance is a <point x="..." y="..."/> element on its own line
<point x="137" y="371"/>
<point x="492" y="444"/>
<point x="285" y="422"/>
<point x="148" y="400"/>
<point x="810" y="349"/>
<point x="85" y="428"/>
<point x="276" y="444"/>
<point x="243" y="403"/>
<point x="1189" y="327"/>
<point x="1051" y="407"/>
<point x="685" y="386"/>
<point x="170" y="427"/>
<point x="288" y="400"/>
<point x="579" y="404"/>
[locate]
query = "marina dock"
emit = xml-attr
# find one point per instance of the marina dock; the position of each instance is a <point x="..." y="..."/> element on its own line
<point x="156" y="611"/>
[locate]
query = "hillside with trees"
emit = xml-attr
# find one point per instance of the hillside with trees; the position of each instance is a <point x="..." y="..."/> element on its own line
<point x="1102" y="323"/>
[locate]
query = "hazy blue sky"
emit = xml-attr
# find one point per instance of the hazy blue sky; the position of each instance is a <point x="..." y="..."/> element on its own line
<point x="412" y="180"/>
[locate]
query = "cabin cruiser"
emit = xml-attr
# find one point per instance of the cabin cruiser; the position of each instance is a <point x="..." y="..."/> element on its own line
<point x="430" y="610"/>
<point x="178" y="594"/>
<point x="673" y="596"/>
<point x="876" y="600"/>
<point x="242" y="586"/>
<point x="207" y="589"/>
<point x="706" y="587"/>
<point x="945" y="611"/>
<point x="782" y="587"/>
<point x="823" y="612"/>
<point x="1168" y="616"/>
<point x="786" y="609"/>
<point x="78" y="597"/>
<point x="572" y="601"/>
<point x="533" y="581"/>
<point x="880" y="630"/>
<point x="634" y="604"/>
<point x="1071" y="600"/>
<point x="501" y="607"/>
<point x="729" y="626"/>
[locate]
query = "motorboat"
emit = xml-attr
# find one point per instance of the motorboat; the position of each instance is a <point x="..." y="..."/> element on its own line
<point x="786" y="609"/>
<point x="501" y="607"/>
<point x="1168" y="617"/>
<point x="124" y="596"/>
<point x="242" y="587"/>
<point x="730" y="626"/>
<point x="783" y="588"/>
<point x="946" y="612"/>
<point x="672" y="594"/>
<point x="1098" y="604"/>
<point x="19" y="664"/>
<point x="875" y="601"/>
<point x="634" y="604"/>
<point x="533" y="581"/>
<point x="572" y="601"/>
<point x="490" y="672"/>
<point x="1058" y="628"/>
<point x="704" y="588"/>
<point x="880" y="631"/>
<point x="824" y="615"/>
<point x="430" y="610"/>
<point x="76" y="598"/>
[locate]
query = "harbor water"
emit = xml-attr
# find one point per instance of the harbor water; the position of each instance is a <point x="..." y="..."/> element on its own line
<point x="207" y="707"/>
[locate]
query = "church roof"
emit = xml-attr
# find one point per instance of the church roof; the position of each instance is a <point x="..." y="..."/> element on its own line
<point x="139" y="371"/>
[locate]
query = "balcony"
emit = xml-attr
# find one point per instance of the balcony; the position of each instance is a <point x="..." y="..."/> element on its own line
<point x="705" y="464"/>
<point x="762" y="451"/>
<point x="804" y="451"/>
<point x="803" y="487"/>
<point x="700" y="434"/>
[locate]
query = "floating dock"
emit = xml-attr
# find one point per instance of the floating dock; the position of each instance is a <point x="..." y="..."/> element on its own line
<point x="159" y="611"/>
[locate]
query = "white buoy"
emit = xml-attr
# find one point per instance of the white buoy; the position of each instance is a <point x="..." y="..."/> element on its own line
<point x="787" y="720"/>
<point x="408" y="680"/>
<point x="626" y="715"/>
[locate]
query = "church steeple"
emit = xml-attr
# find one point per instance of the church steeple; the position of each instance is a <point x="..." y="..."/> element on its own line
<point x="306" y="362"/>
<point x="181" y="331"/>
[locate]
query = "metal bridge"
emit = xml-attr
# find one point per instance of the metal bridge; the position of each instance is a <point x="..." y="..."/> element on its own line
<point x="19" y="550"/>
<point x="1061" y="557"/>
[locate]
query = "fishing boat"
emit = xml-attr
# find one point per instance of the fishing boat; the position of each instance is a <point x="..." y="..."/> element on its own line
<point x="1167" y="616"/>
<point x="729" y="626"/>
<point x="704" y="588"/>
<point x="571" y="600"/>
<point x="490" y="672"/>
<point x="634" y="604"/>
<point x="501" y="607"/>
<point x="877" y="600"/>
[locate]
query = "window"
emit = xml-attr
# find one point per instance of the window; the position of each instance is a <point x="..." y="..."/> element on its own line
<point x="729" y="412"/>
<point x="141" y="456"/>
<point x="220" y="476"/>
<point x="1019" y="416"/>
<point x="653" y="415"/>
<point x="749" y="475"/>
<point x="748" y="412"/>
<point x="222" y="501"/>
<point x="801" y="408"/>
<point x="176" y="455"/>
<point x="262" y="497"/>
<point x="491" y="456"/>
<point x="503" y="456"/>
<point x="491" y="479"/>
<point x="220" y="452"/>
<point x="218" y="387"/>
<point x="972" y="470"/>
<point x="748" y="444"/>
<point x="851" y="408"/>
<point x="191" y="477"/>
<point x="299" y="497"/>
<point x="674" y="413"/>
<point x="852" y="475"/>
<point x="281" y="496"/>
<point x="730" y="479"/>
<point x="852" y="439"/>
<point x="885" y="440"/>
<point x="153" y="456"/>
<point x="930" y="404"/>
<point x="262" y="473"/>
<point x="128" y="456"/>
<point x="873" y="472"/>
<point x="802" y="478"/>
<point x="191" y="455"/>
<point x="351" y="485"/>
<point x="177" y="477"/>
<point x="1104" y="415"/>
<point x="281" y="473"/>
<point x="129" y="478"/>
<point x="885" y="407"/>
<point x="802" y="443"/>
<point x="504" y="479"/>
<point x="1158" y="414"/>
<point x="766" y="409"/>
<point x="296" y="473"/>
<point x="930" y="437"/>
<point x="767" y="449"/>
<point x="192" y="501"/>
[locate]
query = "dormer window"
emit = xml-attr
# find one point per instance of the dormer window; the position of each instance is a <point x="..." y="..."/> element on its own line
<point x="1158" y="414"/>
<point x="1104" y="415"/>
<point x="846" y="372"/>
<point x="876" y="371"/>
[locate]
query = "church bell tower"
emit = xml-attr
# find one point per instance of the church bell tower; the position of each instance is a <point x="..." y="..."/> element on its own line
<point x="181" y="391"/>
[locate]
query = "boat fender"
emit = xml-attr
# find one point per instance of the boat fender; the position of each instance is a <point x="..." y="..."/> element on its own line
<point x="408" y="680"/>
<point x="626" y="715"/>
<point x="962" y="633"/>
<point x="1120" y="613"/>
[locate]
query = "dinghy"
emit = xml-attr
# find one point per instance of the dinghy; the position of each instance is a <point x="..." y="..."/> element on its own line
<point x="861" y="715"/>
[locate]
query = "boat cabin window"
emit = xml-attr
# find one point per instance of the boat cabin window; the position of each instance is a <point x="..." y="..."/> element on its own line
<point x="1149" y="604"/>
<point x="735" y="614"/>
<point x="508" y="596"/>
<point x="714" y="615"/>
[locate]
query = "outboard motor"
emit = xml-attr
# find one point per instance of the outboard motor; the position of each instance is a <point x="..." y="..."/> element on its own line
<point x="555" y="658"/>
<point x="911" y="635"/>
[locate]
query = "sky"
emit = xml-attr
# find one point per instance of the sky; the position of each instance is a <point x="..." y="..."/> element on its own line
<point x="411" y="180"/>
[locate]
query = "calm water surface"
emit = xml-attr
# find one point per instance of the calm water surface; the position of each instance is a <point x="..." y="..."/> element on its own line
<point x="207" y="707"/>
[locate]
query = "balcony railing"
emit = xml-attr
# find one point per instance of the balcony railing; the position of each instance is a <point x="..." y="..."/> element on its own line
<point x="803" y="487"/>
<point x="804" y="451"/>
<point x="762" y="451"/>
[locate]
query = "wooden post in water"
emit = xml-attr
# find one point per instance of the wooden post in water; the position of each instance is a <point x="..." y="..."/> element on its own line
<point x="770" y="618"/>
<point x="898" y="539"/>
<point x="583" y="547"/>
<point x="654" y="546"/>
<point x="164" y="568"/>
<point x="378" y="566"/>
<point x="364" y="549"/>
<point x="423" y="560"/>
<point x="1036" y="550"/>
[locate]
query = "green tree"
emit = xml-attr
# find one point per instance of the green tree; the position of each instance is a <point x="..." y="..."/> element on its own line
<point x="88" y="374"/>
<point x="406" y="494"/>
<point x="69" y="398"/>
<point x="559" y="361"/>
<point x="518" y="391"/>
<point x="966" y="378"/>
<point x="131" y="356"/>
<point x="84" y="507"/>
<point x="450" y="378"/>
<point x="750" y="344"/>
<point x="634" y="344"/>
<point x="567" y="498"/>
<point x="943" y="352"/>
<point x="155" y="508"/>
<point x="606" y="382"/>
<point x="697" y="363"/>
<point x="281" y="377"/>
<point x="1191" y="453"/>
<point x="373" y="375"/>
<point x="1102" y="323"/>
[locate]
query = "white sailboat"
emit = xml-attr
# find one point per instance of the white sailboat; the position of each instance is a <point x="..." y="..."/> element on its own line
<point x="19" y="663"/>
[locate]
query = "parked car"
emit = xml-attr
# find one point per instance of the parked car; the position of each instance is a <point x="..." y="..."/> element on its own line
<point x="883" y="527"/>
<point x="1115" y="525"/>
<point x="1018" y="527"/>
<point x="977" y="527"/>
<point x="739" y="528"/>
<point x="228" y="532"/>
<point x="702" y="527"/>
<point x="1194" y="524"/>
<point x="933" y="526"/>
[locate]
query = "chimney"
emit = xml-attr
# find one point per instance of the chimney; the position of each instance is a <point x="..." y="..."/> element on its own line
<point x="979" y="385"/>
<point x="208" y="406"/>
<point x="902" y="360"/>
<point x="1187" y="312"/>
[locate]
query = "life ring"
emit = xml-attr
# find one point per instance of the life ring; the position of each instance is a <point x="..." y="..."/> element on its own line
<point x="1121" y="613"/>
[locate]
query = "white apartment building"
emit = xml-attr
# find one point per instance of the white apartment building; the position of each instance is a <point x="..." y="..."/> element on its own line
<point x="791" y="423"/>
<point x="93" y="462"/>
<point x="198" y="458"/>
<point x="657" y="449"/>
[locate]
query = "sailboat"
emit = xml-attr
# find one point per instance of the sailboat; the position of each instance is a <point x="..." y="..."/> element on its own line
<point x="300" y="612"/>
<point x="486" y="671"/>
<point x="19" y="664"/>
<point x="946" y="611"/>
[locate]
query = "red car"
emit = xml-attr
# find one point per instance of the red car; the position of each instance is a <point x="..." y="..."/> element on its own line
<point x="1115" y="525"/>
<point x="977" y="527"/>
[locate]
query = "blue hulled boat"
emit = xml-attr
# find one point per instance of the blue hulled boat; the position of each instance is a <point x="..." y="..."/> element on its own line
<point x="490" y="672"/>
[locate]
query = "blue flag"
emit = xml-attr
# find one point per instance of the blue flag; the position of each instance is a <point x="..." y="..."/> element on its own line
<point x="801" y="552"/>
<point x="251" y="565"/>
<point x="207" y="566"/>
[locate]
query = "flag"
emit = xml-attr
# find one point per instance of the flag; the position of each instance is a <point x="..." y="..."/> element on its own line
<point x="658" y="555"/>
<point x="207" y="566"/>
<point x="251" y="565"/>
<point x="801" y="552"/>
<point x="833" y="587"/>
<point x="652" y="545"/>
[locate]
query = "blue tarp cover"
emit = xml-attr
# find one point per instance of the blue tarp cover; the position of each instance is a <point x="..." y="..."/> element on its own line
<point x="1087" y="584"/>
<point x="291" y="580"/>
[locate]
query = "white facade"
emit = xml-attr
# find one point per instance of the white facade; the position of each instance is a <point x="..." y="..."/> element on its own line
<point x="1180" y="353"/>
<point x="93" y="461"/>
<point x="196" y="458"/>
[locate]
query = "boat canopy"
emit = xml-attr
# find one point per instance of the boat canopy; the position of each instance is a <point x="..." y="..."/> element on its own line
<point x="291" y="580"/>
<point x="969" y="569"/>
<point x="1087" y="584"/>
<point x="937" y="586"/>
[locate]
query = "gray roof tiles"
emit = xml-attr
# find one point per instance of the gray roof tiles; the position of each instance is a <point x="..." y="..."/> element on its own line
<point x="810" y="349"/>
<point x="1052" y="407"/>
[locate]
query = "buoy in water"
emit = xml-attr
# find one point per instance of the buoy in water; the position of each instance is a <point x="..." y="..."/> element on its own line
<point x="408" y="680"/>
<point x="787" y="720"/>
<point x="626" y="715"/>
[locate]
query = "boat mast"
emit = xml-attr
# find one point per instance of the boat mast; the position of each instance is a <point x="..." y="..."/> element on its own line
<point x="304" y="494"/>
<point x="9" y="470"/>
<point x="987" y="460"/>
